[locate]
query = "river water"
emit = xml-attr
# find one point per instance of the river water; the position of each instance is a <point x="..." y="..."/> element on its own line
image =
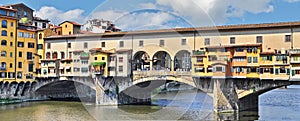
<point x="279" y="104"/>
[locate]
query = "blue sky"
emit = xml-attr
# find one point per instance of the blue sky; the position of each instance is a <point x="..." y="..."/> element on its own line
<point x="156" y="14"/>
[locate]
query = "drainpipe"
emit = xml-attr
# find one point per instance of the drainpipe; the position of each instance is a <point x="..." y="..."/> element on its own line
<point x="292" y="34"/>
<point x="16" y="45"/>
<point x="194" y="40"/>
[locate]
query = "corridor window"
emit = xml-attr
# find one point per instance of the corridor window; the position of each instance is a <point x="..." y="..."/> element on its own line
<point x="161" y="42"/>
<point x="232" y="40"/>
<point x="141" y="43"/>
<point x="121" y="44"/>
<point x="259" y="39"/>
<point x="48" y="45"/>
<point x="121" y="59"/>
<point x="287" y="38"/>
<point x="183" y="41"/>
<point x="85" y="45"/>
<point x="102" y="44"/>
<point x="206" y="41"/>
<point x="69" y="45"/>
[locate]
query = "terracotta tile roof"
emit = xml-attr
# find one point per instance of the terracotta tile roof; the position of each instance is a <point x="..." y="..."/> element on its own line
<point x="124" y="50"/>
<point x="241" y="27"/>
<point x="72" y="22"/>
<point x="100" y="50"/>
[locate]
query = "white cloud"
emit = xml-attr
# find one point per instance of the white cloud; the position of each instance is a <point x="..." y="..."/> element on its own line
<point x="57" y="16"/>
<point x="111" y="15"/>
<point x="292" y="1"/>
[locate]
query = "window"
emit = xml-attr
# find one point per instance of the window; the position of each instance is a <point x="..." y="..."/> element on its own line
<point x="232" y="40"/>
<point x="3" y="43"/>
<point x="30" y="45"/>
<point x="161" y="42"/>
<point x="259" y="39"/>
<point x="69" y="45"/>
<point x="103" y="58"/>
<point x="199" y="59"/>
<point x="21" y="34"/>
<point x="249" y="59"/>
<point x="84" y="70"/>
<point x="2" y="12"/>
<point x="40" y="46"/>
<point x="3" y="53"/>
<point x="85" y="45"/>
<point x="70" y="54"/>
<point x="4" y="33"/>
<point x="11" y="34"/>
<point x="11" y="44"/>
<point x="183" y="41"/>
<point x="102" y="44"/>
<point x="12" y="14"/>
<point x="20" y="54"/>
<point x="96" y="58"/>
<point x="25" y="14"/>
<point x="255" y="59"/>
<point x="48" y="55"/>
<point x="199" y="70"/>
<point x="48" y="45"/>
<point x="19" y="75"/>
<point x="239" y="49"/>
<point x="66" y="26"/>
<point x="29" y="55"/>
<point x="282" y="70"/>
<point x="120" y="68"/>
<point x="121" y="59"/>
<point x="62" y="55"/>
<point x="220" y="69"/>
<point x="40" y="36"/>
<point x="20" y="44"/>
<point x="11" y="54"/>
<point x="206" y="41"/>
<point x="11" y="24"/>
<point x="44" y="25"/>
<point x="10" y="65"/>
<point x="4" y="24"/>
<point x="70" y="32"/>
<point x="54" y="55"/>
<point x="287" y="38"/>
<point x="121" y="44"/>
<point x="141" y="43"/>
<point x="19" y="64"/>
<point x="239" y="59"/>
<point x="30" y="67"/>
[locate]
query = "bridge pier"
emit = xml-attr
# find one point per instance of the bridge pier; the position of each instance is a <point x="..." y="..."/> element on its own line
<point x="225" y="95"/>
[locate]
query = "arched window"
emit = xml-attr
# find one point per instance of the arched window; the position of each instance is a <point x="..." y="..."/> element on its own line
<point x="40" y="36"/>
<point x="3" y="53"/>
<point x="54" y="55"/>
<point x="3" y="42"/>
<point x="3" y="65"/>
<point x="3" y="33"/>
<point x="4" y="24"/>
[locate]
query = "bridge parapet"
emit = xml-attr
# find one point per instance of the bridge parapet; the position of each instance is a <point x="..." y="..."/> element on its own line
<point x="157" y="73"/>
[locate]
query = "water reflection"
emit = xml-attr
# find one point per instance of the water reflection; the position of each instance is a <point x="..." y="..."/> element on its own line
<point x="182" y="105"/>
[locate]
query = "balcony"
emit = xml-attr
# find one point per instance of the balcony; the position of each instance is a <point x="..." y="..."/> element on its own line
<point x="199" y="53"/>
<point x="84" y="55"/>
<point x="295" y="51"/>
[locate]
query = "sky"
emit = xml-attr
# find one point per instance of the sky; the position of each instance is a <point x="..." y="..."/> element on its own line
<point x="160" y="14"/>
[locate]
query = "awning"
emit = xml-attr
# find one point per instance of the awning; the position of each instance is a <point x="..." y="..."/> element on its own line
<point x="98" y="63"/>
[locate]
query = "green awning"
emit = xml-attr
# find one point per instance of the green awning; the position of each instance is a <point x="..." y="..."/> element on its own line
<point x="98" y="63"/>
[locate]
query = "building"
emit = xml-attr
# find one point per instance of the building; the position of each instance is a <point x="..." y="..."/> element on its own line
<point x="99" y="26"/>
<point x="24" y="14"/>
<point x="69" y="28"/>
<point x="8" y="28"/>
<point x="100" y="61"/>
<point x="259" y="51"/>
<point x="40" y="23"/>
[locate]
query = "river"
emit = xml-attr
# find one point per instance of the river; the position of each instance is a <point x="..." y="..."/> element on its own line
<point x="279" y="104"/>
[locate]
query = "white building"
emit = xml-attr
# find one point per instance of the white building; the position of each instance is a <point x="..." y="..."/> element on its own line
<point x="40" y="23"/>
<point x="99" y="26"/>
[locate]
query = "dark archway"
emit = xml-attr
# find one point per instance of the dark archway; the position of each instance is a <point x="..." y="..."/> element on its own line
<point x="182" y="61"/>
<point x="162" y="61"/>
<point x="141" y="61"/>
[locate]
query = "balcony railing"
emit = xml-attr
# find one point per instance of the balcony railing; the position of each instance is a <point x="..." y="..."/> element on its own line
<point x="295" y="51"/>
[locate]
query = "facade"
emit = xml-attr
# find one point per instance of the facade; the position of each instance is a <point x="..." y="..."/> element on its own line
<point x="8" y="28"/>
<point x="70" y="28"/>
<point x="99" y="26"/>
<point x="24" y="14"/>
<point x="40" y="23"/>
<point x="259" y="51"/>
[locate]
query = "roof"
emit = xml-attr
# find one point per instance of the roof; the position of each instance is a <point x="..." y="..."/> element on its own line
<point x="6" y="8"/>
<point x="78" y="51"/>
<point x="72" y="22"/>
<point x="40" y="19"/>
<point x="241" y="27"/>
<point x="100" y="50"/>
<point x="124" y="50"/>
<point x="18" y="4"/>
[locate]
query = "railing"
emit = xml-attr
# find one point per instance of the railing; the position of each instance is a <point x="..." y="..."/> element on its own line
<point x="161" y="73"/>
<point x="295" y="51"/>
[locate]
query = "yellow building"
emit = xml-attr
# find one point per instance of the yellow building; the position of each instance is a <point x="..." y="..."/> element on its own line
<point x="69" y="28"/>
<point x="99" y="61"/>
<point x="26" y="50"/>
<point x="8" y="25"/>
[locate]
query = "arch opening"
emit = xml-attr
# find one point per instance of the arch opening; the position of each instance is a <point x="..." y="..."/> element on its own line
<point x="182" y="61"/>
<point x="141" y="61"/>
<point x="162" y="61"/>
